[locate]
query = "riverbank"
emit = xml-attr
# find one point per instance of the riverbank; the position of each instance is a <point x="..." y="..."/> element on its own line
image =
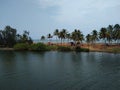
<point x="99" y="47"/>
<point x="6" y="49"/>
<point x="92" y="48"/>
<point x="103" y="48"/>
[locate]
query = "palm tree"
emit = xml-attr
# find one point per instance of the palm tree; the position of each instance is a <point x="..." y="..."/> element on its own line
<point x="64" y="33"/>
<point x="61" y="35"/>
<point x="108" y="37"/>
<point x="56" y="33"/>
<point x="68" y="36"/>
<point x="88" y="39"/>
<point x="25" y="36"/>
<point x="102" y="34"/>
<point x="1" y="38"/>
<point x="81" y="37"/>
<point x="74" y="35"/>
<point x="110" y="33"/>
<point x="49" y="36"/>
<point x="94" y="36"/>
<point x="18" y="38"/>
<point x="77" y="36"/>
<point x="42" y="38"/>
<point x="116" y="33"/>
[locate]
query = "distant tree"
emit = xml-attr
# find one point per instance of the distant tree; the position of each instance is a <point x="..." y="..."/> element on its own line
<point x="81" y="37"/>
<point x="88" y="39"/>
<point x="102" y="34"/>
<point x="64" y="33"/>
<point x="1" y="38"/>
<point x="94" y="36"/>
<point x="108" y="37"/>
<point x="9" y="36"/>
<point x="18" y="38"/>
<point x="68" y="36"/>
<point x="24" y="38"/>
<point x="110" y="33"/>
<point x="61" y="36"/>
<point x="30" y="41"/>
<point x="56" y="33"/>
<point x="49" y="36"/>
<point x="42" y="38"/>
<point x="116" y="33"/>
<point x="77" y="36"/>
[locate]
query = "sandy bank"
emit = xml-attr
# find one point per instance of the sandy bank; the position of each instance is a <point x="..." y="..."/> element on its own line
<point x="7" y="49"/>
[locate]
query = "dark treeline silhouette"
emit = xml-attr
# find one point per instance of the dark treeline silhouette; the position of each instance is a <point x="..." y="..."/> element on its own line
<point x="76" y="35"/>
<point x="9" y="37"/>
<point x="109" y="35"/>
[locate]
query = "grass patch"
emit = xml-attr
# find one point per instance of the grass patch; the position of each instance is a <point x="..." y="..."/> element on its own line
<point x="64" y="48"/>
<point x="44" y="47"/>
<point x="21" y="46"/>
<point x="79" y="49"/>
<point x="115" y="50"/>
<point x="38" y="47"/>
<point x="53" y="47"/>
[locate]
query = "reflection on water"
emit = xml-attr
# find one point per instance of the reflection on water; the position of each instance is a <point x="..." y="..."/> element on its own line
<point x="59" y="71"/>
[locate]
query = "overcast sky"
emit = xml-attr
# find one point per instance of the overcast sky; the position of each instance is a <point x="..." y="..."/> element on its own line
<point x="41" y="17"/>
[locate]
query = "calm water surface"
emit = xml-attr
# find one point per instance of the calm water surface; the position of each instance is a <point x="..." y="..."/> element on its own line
<point x="59" y="71"/>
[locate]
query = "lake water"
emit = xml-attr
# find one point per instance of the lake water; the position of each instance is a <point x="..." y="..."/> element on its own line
<point x="59" y="71"/>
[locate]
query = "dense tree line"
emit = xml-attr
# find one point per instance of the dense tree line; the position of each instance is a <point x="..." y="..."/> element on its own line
<point x="76" y="35"/>
<point x="9" y="37"/>
<point x="109" y="34"/>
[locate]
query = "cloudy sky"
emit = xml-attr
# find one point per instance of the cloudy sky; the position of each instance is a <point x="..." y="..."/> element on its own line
<point x="41" y="17"/>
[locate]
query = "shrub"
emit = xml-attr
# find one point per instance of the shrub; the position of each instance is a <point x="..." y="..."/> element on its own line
<point x="64" y="48"/>
<point x="116" y="50"/>
<point x="38" y="47"/>
<point x="85" y="49"/>
<point x="79" y="49"/>
<point x="21" y="46"/>
<point x="53" y="47"/>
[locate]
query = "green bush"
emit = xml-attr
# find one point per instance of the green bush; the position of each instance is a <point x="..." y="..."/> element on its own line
<point x="21" y="46"/>
<point x="79" y="49"/>
<point x="116" y="50"/>
<point x="38" y="47"/>
<point x="64" y="48"/>
<point x="53" y="47"/>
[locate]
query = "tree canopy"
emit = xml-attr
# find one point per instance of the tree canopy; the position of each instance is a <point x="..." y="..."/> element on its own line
<point x="9" y="37"/>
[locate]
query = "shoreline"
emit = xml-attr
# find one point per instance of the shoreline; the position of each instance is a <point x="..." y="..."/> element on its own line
<point x="92" y="48"/>
<point x="6" y="49"/>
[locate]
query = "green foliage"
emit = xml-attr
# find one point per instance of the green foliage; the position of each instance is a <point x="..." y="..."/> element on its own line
<point x="116" y="50"/>
<point x="77" y="35"/>
<point x="62" y="34"/>
<point x="53" y="47"/>
<point x="24" y="38"/>
<point x="56" y="32"/>
<point x="8" y="36"/>
<point x="88" y="38"/>
<point x="38" y="47"/>
<point x="79" y="49"/>
<point x="42" y="38"/>
<point x="64" y="48"/>
<point x="21" y="46"/>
